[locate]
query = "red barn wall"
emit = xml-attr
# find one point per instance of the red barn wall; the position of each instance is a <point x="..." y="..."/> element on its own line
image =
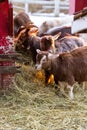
<point x="76" y="5"/>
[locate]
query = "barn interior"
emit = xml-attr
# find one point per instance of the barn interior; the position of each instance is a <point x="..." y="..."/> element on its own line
<point x="26" y="103"/>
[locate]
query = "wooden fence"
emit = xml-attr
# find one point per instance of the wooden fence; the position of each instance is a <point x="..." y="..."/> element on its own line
<point x="55" y="5"/>
<point x="7" y="69"/>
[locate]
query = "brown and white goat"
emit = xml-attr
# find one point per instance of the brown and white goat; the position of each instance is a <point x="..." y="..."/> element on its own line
<point x="27" y="40"/>
<point x="69" y="67"/>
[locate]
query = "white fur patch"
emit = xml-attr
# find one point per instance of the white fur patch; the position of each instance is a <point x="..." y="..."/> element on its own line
<point x="71" y="95"/>
<point x="52" y="56"/>
<point x="39" y="66"/>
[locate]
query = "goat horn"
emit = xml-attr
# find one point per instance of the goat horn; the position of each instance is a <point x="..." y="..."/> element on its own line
<point x="57" y="36"/>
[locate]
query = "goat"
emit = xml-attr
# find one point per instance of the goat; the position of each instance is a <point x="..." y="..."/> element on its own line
<point x="68" y="67"/>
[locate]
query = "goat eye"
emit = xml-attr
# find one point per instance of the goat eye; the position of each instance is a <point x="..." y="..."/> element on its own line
<point x="44" y="60"/>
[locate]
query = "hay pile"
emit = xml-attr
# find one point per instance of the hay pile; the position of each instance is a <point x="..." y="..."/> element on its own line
<point x="29" y="105"/>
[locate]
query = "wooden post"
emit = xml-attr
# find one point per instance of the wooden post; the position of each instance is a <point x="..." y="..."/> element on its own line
<point x="6" y="34"/>
<point x="10" y="17"/>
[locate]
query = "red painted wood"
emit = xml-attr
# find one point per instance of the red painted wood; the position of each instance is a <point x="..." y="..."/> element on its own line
<point x="6" y="29"/>
<point x="76" y="5"/>
<point x="4" y="18"/>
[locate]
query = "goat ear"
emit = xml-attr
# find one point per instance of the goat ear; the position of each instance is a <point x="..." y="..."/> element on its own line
<point x="38" y="51"/>
<point x="50" y="55"/>
<point x="57" y="36"/>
